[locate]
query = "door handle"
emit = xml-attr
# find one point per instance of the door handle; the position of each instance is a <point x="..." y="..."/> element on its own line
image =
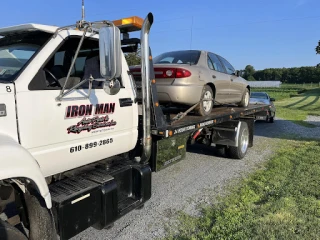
<point x="214" y="76"/>
<point x="125" y="102"/>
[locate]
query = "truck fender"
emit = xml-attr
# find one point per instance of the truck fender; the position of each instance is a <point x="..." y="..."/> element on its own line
<point x="17" y="162"/>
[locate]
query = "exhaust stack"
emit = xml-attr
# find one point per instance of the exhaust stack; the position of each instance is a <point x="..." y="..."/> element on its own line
<point x="146" y="95"/>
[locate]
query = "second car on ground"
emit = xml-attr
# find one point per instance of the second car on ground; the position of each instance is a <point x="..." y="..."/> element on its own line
<point x="264" y="98"/>
<point x="188" y="77"/>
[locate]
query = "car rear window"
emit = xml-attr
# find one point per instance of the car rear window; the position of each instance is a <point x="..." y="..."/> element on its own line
<point x="178" y="57"/>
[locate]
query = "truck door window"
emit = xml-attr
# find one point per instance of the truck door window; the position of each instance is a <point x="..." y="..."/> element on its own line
<point x="55" y="70"/>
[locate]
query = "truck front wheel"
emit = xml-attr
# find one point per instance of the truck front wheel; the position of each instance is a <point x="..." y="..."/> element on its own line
<point x="243" y="143"/>
<point x="9" y="232"/>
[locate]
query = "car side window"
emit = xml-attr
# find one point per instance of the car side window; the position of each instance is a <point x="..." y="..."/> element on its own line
<point x="53" y="74"/>
<point x="227" y="65"/>
<point x="210" y="64"/>
<point x="216" y="63"/>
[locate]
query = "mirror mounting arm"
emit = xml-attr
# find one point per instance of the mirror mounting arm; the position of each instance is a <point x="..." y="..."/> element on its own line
<point x="62" y="93"/>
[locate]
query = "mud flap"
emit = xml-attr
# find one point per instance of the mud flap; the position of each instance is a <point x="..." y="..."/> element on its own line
<point x="168" y="151"/>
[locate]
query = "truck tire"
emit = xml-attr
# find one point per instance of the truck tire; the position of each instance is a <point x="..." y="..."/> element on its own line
<point x="245" y="99"/>
<point x="37" y="210"/>
<point x="9" y="232"/>
<point x="220" y="150"/>
<point x="205" y="107"/>
<point x="243" y="143"/>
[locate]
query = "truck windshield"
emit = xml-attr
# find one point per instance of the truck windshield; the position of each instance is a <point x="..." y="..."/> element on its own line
<point x="16" y="50"/>
<point x="13" y="58"/>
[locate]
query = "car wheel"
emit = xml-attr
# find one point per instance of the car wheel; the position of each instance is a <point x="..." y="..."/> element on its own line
<point x="271" y="120"/>
<point x="245" y="99"/>
<point x="206" y="105"/>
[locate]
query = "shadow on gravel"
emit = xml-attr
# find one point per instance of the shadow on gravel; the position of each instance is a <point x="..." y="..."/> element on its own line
<point x="203" y="149"/>
<point x="284" y="129"/>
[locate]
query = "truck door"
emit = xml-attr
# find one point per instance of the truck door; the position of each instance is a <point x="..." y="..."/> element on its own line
<point x="63" y="135"/>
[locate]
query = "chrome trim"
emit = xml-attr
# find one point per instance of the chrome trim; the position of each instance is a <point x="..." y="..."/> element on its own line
<point x="146" y="95"/>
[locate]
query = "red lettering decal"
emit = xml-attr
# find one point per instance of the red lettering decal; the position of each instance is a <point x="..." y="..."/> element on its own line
<point x="112" y="107"/>
<point x="74" y="111"/>
<point x="82" y="110"/>
<point x="68" y="111"/>
<point x="89" y="109"/>
<point x="99" y="109"/>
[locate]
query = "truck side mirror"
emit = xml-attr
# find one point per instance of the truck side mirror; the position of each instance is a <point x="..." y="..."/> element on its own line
<point x="238" y="73"/>
<point x="110" y="58"/>
<point x="272" y="99"/>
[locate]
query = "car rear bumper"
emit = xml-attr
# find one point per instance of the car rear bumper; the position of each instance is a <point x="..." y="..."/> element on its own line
<point x="188" y="95"/>
<point x="264" y="115"/>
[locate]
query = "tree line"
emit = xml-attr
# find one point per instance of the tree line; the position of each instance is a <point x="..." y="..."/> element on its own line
<point x="285" y="75"/>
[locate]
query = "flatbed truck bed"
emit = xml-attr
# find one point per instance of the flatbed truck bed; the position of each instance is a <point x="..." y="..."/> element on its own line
<point x="229" y="128"/>
<point x="219" y="114"/>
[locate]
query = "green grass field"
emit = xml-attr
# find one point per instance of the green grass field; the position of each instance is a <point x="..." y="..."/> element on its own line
<point x="303" y="102"/>
<point x="280" y="202"/>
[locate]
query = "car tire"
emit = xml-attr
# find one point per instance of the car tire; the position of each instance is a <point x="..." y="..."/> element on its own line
<point x="245" y="99"/>
<point x="9" y="232"/>
<point x="270" y="120"/>
<point x="243" y="143"/>
<point x="205" y="107"/>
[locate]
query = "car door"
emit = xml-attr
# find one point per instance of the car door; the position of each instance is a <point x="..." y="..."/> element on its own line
<point x="63" y="135"/>
<point x="219" y="77"/>
<point x="236" y="84"/>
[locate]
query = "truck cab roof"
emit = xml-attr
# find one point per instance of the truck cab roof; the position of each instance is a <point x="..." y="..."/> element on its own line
<point x="26" y="28"/>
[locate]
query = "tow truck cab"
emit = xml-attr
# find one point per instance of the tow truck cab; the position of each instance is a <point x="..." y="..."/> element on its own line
<point x="68" y="109"/>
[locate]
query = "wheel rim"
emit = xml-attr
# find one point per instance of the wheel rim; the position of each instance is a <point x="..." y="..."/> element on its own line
<point x="246" y="100"/>
<point x="207" y="101"/>
<point x="244" y="140"/>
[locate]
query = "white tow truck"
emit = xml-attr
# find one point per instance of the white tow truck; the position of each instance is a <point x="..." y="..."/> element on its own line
<point x="78" y="139"/>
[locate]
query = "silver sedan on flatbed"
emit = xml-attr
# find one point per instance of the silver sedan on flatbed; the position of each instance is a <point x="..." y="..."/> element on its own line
<point x="188" y="77"/>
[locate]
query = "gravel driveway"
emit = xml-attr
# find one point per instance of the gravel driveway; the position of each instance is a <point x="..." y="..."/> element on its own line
<point x="195" y="180"/>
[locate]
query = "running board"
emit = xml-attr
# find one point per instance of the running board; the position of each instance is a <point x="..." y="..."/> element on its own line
<point x="98" y="197"/>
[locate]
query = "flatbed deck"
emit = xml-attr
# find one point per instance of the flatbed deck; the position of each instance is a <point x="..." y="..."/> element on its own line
<point x="192" y="122"/>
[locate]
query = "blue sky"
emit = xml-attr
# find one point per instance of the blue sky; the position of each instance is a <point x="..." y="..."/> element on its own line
<point x="273" y="33"/>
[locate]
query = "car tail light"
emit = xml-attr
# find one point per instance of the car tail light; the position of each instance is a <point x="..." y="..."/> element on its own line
<point x="182" y="73"/>
<point x="165" y="72"/>
<point x="171" y="73"/>
<point x="135" y="71"/>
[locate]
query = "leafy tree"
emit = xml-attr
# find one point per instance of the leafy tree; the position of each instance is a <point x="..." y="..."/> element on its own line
<point x="290" y="75"/>
<point x="249" y="71"/>
<point x="133" y="58"/>
<point x="318" y="48"/>
<point x="251" y="78"/>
